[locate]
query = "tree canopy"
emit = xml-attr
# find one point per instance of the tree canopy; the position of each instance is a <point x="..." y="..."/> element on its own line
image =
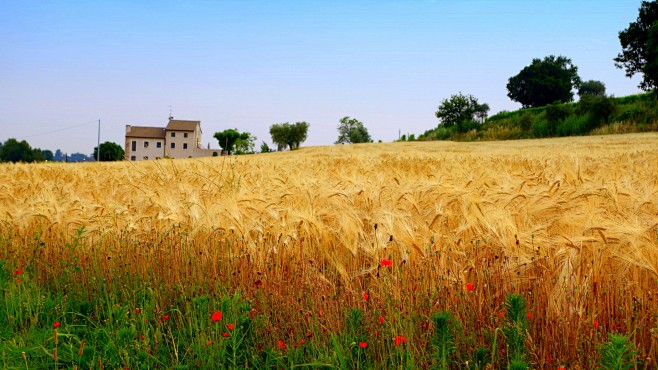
<point x="639" y="43"/>
<point x="352" y="131"/>
<point x="229" y="138"/>
<point x="544" y="82"/>
<point x="285" y="134"/>
<point x="13" y="150"/>
<point x="460" y="111"/>
<point x="591" y="87"/>
<point x="109" y="152"/>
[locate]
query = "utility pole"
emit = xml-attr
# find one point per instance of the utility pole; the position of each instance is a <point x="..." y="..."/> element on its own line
<point x="98" y="151"/>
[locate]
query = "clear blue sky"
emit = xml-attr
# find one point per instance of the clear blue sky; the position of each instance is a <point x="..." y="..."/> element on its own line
<point x="248" y="64"/>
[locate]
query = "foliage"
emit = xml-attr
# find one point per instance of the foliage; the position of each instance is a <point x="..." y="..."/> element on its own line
<point x="544" y="82"/>
<point x="618" y="353"/>
<point x="290" y="135"/>
<point x="601" y="108"/>
<point x="443" y="338"/>
<point x="352" y="131"/>
<point x="110" y="152"/>
<point x="245" y="144"/>
<point x="591" y="87"/>
<point x="460" y="111"/>
<point x="264" y="148"/>
<point x="639" y="44"/>
<point x="14" y="151"/>
<point x="228" y="139"/>
<point x="516" y="328"/>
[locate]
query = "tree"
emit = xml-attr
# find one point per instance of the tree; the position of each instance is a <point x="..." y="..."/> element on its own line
<point x="48" y="155"/>
<point x="264" y="148"/>
<point x="599" y="107"/>
<point x="19" y="151"/>
<point x="228" y="139"/>
<point x="591" y="87"/>
<point x="109" y="152"/>
<point x="460" y="111"/>
<point x="544" y="82"/>
<point x="245" y="144"/>
<point x="352" y="131"/>
<point x="639" y="43"/>
<point x="285" y="134"/>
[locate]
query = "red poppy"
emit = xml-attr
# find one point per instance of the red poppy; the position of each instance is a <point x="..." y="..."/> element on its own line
<point x="386" y="262"/>
<point x="56" y="325"/>
<point x="230" y="326"/>
<point x="143" y="337"/>
<point x="529" y="315"/>
<point x="596" y="324"/>
<point x="165" y="317"/>
<point x="225" y="334"/>
<point x="138" y="310"/>
<point x="217" y="316"/>
<point x="400" y="340"/>
<point x="209" y="342"/>
<point x="381" y="320"/>
<point x="561" y="368"/>
<point x="281" y="345"/>
<point x="363" y="344"/>
<point x="302" y="341"/>
<point x="18" y="272"/>
<point x="366" y="296"/>
<point x="469" y="287"/>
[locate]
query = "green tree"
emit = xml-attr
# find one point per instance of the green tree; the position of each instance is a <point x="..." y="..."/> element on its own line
<point x="544" y="82"/>
<point x="47" y="155"/>
<point x="285" y="134"/>
<point x="19" y="151"/>
<point x="591" y="87"/>
<point x="639" y="43"/>
<point x="600" y="107"/>
<point x="228" y="138"/>
<point x="352" y="131"/>
<point x="245" y="144"/>
<point x="109" y="152"/>
<point x="264" y="148"/>
<point x="461" y="111"/>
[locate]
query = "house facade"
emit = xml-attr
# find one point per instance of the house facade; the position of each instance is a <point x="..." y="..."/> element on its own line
<point x="179" y="139"/>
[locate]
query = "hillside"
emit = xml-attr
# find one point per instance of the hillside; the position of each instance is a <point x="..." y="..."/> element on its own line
<point x="634" y="113"/>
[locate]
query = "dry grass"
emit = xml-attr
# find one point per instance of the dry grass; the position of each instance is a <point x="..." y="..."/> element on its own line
<point x="571" y="222"/>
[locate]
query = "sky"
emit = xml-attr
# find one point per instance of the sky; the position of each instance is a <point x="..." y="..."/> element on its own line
<point x="248" y="64"/>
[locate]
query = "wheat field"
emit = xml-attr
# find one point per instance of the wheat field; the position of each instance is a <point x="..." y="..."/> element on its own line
<point x="572" y="223"/>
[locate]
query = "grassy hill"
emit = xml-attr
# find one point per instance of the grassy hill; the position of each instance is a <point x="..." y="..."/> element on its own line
<point x="634" y="113"/>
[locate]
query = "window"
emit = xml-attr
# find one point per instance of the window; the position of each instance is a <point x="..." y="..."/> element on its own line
<point x="133" y="146"/>
<point x="173" y="134"/>
<point x="185" y="135"/>
<point x="146" y="157"/>
<point x="146" y="144"/>
<point x="132" y="157"/>
<point x="158" y="145"/>
<point x="184" y="145"/>
<point x="173" y="145"/>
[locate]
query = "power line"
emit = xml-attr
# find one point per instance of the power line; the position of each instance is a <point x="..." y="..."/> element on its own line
<point x="58" y="130"/>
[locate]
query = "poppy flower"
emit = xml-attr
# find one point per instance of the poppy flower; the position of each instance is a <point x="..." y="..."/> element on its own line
<point x="143" y="337"/>
<point x="363" y="344"/>
<point x="165" y="317"/>
<point x="596" y="324"/>
<point x="400" y="340"/>
<point x="209" y="343"/>
<point x="230" y="326"/>
<point x="529" y="315"/>
<point x="56" y="324"/>
<point x="217" y="316"/>
<point x="381" y="320"/>
<point x="386" y="262"/>
<point x="366" y="296"/>
<point x="18" y="272"/>
<point x="281" y="345"/>
<point x="469" y="287"/>
<point x="302" y="341"/>
<point x="225" y="334"/>
<point x="561" y="368"/>
<point x="138" y="310"/>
